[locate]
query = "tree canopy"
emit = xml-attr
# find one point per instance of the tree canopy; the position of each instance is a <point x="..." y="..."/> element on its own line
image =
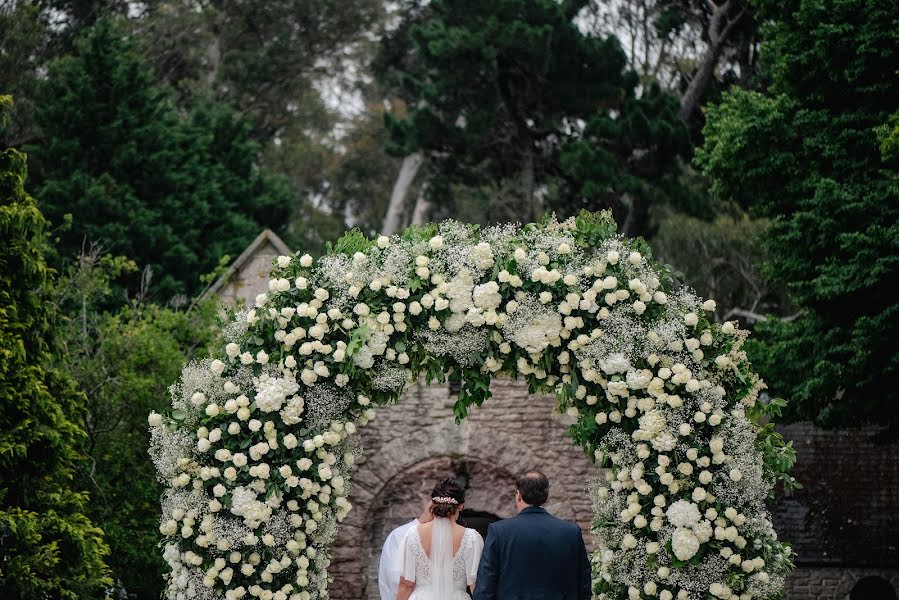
<point x="174" y="192"/>
<point x="812" y="153"/>
<point x="514" y="96"/>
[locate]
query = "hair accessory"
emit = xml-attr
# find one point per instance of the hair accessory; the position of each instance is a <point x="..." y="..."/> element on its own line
<point x="445" y="500"/>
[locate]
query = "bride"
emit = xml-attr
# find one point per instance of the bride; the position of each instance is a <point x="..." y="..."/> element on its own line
<point x="440" y="558"/>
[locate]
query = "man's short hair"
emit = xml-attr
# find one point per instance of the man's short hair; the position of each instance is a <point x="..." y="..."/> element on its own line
<point x="534" y="488"/>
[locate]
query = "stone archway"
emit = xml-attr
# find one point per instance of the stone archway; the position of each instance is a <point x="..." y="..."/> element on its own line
<point x="404" y="496"/>
<point x="576" y="311"/>
<point x="408" y="443"/>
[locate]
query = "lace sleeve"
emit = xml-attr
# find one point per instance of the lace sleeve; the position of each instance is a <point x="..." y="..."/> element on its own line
<point x="407" y="555"/>
<point x="473" y="556"/>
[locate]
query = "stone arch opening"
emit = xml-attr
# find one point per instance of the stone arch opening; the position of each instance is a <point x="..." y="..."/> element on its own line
<point x="489" y="493"/>
<point x="478" y="520"/>
<point x="513" y="432"/>
<point x="873" y="587"/>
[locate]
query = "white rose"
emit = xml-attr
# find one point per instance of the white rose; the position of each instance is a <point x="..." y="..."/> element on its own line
<point x="154" y="419"/>
<point x="691" y="319"/>
<point x="306" y="260"/>
<point x="232" y="350"/>
<point x="436" y="242"/>
<point x="283" y="261"/>
<point x="217" y="367"/>
<point x="262" y="357"/>
<point x="612" y="256"/>
<point x="634" y="258"/>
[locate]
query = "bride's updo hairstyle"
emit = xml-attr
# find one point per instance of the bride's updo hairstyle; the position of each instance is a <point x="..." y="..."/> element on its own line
<point x="446" y="497"/>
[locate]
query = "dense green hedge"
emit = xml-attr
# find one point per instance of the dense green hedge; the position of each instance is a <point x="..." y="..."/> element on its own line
<point x="50" y="549"/>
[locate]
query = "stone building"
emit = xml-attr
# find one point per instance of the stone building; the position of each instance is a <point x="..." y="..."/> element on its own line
<point x="248" y="275"/>
<point x="844" y="523"/>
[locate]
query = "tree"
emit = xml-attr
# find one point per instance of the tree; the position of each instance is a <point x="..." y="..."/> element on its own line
<point x="628" y="160"/>
<point x="512" y="96"/>
<point x="807" y="154"/>
<point x="169" y="191"/>
<point x="50" y="547"/>
<point x="265" y="57"/>
<point x="23" y="40"/>
<point x="123" y="361"/>
<point x="721" y="259"/>
<point x="690" y="47"/>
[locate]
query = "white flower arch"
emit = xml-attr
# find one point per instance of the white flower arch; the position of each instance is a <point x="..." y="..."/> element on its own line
<point x="257" y="450"/>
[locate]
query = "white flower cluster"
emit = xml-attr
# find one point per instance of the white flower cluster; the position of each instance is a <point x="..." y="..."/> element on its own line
<point x="257" y="449"/>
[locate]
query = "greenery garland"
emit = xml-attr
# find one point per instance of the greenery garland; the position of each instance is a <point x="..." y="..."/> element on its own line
<point x="258" y="447"/>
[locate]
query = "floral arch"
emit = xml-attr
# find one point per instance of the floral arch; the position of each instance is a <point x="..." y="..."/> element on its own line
<point x="257" y="449"/>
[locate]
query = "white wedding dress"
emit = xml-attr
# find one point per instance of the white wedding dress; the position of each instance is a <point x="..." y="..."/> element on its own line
<point x="443" y="576"/>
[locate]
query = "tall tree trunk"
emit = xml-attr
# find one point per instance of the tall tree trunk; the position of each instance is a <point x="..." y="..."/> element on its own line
<point x="422" y="207"/>
<point x="721" y="26"/>
<point x="214" y="59"/>
<point x="527" y="185"/>
<point x="215" y="51"/>
<point x="395" y="210"/>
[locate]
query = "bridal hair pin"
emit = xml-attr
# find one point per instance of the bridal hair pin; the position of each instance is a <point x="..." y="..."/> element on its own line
<point x="445" y="500"/>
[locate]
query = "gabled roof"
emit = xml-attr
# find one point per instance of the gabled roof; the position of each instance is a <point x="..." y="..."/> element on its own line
<point x="266" y="236"/>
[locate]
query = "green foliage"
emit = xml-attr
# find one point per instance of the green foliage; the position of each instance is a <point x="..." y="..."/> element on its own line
<point x="631" y="154"/>
<point x="722" y="260"/>
<point x="50" y="547"/>
<point x="779" y="456"/>
<point x="813" y="155"/>
<point x="171" y="192"/>
<point x="123" y="362"/>
<point x="513" y="96"/>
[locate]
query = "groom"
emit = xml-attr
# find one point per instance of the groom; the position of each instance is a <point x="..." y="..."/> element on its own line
<point x="533" y="556"/>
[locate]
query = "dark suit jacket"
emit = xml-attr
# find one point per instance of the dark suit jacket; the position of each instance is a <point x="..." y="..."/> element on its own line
<point x="534" y="556"/>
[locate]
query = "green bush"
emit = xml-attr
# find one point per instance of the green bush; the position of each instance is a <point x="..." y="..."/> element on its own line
<point x="50" y="548"/>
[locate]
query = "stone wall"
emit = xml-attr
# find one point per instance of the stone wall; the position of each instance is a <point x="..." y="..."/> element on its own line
<point x="251" y="278"/>
<point x="841" y="517"/>
<point x="408" y="447"/>
<point x="848" y="510"/>
<point x="834" y="583"/>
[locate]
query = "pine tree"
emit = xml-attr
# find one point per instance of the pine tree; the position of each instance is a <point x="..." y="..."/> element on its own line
<point x="172" y="192"/>
<point x="813" y="154"/>
<point x="512" y="95"/>
<point x="49" y="548"/>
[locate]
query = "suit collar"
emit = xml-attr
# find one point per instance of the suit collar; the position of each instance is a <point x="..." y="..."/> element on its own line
<point x="535" y="510"/>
